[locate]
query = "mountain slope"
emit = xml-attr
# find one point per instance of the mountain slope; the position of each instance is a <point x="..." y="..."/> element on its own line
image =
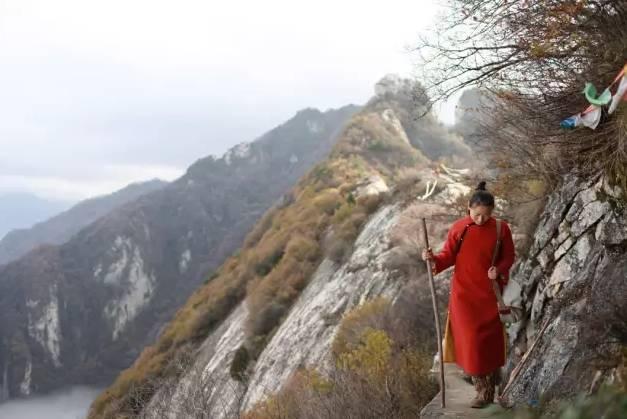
<point x="61" y="227"/>
<point x="299" y="244"/>
<point x="80" y="312"/>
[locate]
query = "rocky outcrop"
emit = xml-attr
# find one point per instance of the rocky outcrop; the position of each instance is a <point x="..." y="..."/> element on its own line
<point x="80" y="312"/>
<point x="419" y="127"/>
<point x="573" y="289"/>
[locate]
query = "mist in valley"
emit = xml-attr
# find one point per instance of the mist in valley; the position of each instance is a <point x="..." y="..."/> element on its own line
<point x="72" y="403"/>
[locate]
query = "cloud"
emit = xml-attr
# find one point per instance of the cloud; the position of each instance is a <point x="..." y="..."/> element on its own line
<point x="158" y="83"/>
<point x="73" y="187"/>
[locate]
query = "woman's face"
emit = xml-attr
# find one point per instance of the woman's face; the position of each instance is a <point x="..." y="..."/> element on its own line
<point x="480" y="213"/>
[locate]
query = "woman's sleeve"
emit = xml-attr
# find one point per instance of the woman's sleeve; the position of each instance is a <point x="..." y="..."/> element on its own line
<point x="507" y="253"/>
<point x="446" y="257"/>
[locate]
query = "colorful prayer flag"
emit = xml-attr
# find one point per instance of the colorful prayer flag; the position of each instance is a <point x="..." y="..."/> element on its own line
<point x="591" y="95"/>
<point x="621" y="93"/>
<point x="571" y="122"/>
<point x="591" y="116"/>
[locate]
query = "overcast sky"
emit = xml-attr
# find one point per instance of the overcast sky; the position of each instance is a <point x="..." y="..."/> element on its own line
<point x="97" y="94"/>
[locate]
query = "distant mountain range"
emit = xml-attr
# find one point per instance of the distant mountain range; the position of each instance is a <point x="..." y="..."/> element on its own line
<point x="61" y="227"/>
<point x="22" y="210"/>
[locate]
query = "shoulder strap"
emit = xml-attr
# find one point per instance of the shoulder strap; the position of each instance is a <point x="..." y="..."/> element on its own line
<point x="495" y="254"/>
<point x="458" y="245"/>
<point x="497" y="247"/>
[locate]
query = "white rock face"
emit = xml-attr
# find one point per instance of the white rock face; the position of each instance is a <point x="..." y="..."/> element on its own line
<point x="186" y="257"/>
<point x="374" y="185"/>
<point x="98" y="270"/>
<point x="331" y="293"/>
<point x="389" y="116"/>
<point x="25" y="385"/>
<point x="121" y="246"/>
<point x="241" y="151"/>
<point x="208" y="385"/>
<point x="136" y="287"/>
<point x="314" y="127"/>
<point x="43" y="326"/>
<point x="571" y="263"/>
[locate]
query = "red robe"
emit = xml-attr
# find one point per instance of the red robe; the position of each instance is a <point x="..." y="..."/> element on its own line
<point x="478" y="334"/>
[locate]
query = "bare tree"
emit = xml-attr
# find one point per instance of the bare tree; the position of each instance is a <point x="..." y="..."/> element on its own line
<point x="533" y="57"/>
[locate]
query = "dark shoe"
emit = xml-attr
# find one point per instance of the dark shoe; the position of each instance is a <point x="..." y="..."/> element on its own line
<point x="479" y="403"/>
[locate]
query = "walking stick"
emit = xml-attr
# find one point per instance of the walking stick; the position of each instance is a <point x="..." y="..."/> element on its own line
<point x="436" y="315"/>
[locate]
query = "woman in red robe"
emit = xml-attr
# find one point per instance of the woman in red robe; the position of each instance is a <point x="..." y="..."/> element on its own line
<point x="478" y="336"/>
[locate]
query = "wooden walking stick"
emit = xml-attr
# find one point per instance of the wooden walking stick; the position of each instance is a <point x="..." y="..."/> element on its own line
<point x="435" y="314"/>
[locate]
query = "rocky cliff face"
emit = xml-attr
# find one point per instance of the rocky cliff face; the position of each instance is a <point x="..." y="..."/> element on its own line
<point x="61" y="227"/>
<point x="573" y="290"/>
<point x="80" y="312"/>
<point x="425" y="133"/>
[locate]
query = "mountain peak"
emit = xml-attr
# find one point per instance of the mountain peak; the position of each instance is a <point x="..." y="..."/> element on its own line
<point x="392" y="84"/>
<point x="406" y="92"/>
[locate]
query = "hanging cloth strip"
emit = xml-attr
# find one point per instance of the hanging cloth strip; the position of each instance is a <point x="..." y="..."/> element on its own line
<point x="621" y="92"/>
<point x="591" y="116"/>
<point x="591" y="95"/>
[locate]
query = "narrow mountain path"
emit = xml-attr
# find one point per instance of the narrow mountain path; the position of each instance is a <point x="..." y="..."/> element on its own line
<point x="459" y="394"/>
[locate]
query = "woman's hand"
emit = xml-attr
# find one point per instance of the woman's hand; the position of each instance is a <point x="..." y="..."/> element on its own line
<point x="493" y="273"/>
<point x="427" y="254"/>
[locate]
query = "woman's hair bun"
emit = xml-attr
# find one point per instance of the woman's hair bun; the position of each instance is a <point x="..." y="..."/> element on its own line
<point x="481" y="197"/>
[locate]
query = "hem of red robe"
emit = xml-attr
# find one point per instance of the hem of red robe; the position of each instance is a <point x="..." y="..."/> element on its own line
<point x="484" y="371"/>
